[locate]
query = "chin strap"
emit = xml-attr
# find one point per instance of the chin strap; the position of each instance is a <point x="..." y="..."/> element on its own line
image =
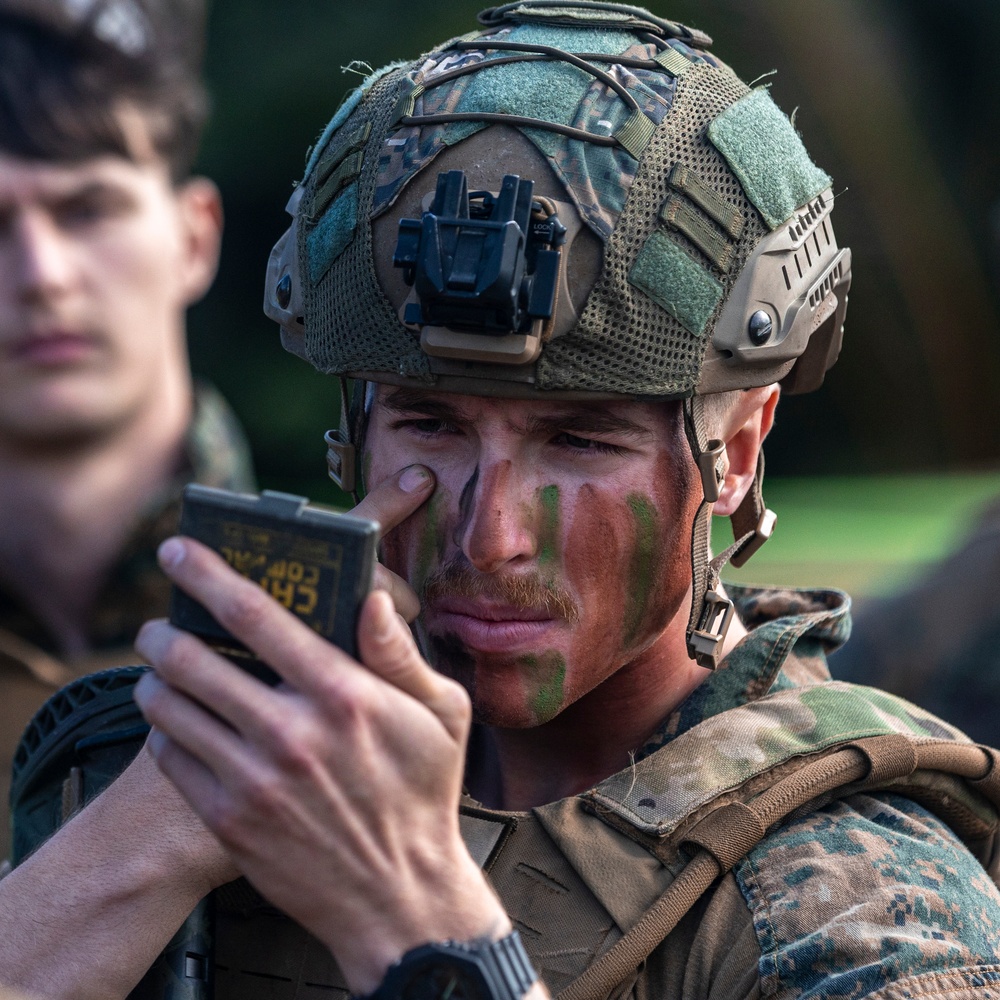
<point x="712" y="612"/>
<point x="341" y="444"/>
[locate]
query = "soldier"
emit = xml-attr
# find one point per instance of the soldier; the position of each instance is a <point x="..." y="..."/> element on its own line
<point x="105" y="239"/>
<point x="567" y="259"/>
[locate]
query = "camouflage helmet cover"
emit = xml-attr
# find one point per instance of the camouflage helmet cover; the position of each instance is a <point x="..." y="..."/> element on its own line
<point x="700" y="255"/>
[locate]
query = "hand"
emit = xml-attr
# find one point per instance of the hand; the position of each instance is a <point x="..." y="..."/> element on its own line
<point x="335" y="794"/>
<point x="390" y="503"/>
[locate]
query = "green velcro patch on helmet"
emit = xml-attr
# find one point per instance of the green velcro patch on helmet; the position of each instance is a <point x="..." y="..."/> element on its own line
<point x="346" y="109"/>
<point x="767" y="155"/>
<point x="677" y="282"/>
<point x="548" y="90"/>
<point x="333" y="233"/>
<point x="605" y="37"/>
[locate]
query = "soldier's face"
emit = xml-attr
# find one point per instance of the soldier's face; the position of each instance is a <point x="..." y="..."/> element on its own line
<point x="555" y="548"/>
<point x="96" y="269"/>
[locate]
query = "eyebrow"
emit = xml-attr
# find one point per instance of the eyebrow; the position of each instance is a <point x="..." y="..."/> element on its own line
<point x="76" y="193"/>
<point x="567" y="420"/>
<point x="403" y="400"/>
<point x="599" y="421"/>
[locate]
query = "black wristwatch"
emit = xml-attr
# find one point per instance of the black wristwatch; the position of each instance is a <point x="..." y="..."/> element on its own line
<point x="460" y="970"/>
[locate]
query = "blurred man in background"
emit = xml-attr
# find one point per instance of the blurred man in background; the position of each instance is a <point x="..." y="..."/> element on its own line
<point x="105" y="240"/>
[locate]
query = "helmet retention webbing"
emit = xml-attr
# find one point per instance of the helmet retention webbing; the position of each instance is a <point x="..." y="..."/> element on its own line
<point x="711" y="612"/>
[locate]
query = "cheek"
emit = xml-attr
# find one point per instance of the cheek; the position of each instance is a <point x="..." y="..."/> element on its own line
<point x="596" y="560"/>
<point x="149" y="267"/>
<point x="415" y="548"/>
<point x="628" y="560"/>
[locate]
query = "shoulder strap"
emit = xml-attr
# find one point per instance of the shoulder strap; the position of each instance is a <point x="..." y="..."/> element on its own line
<point x="722" y="832"/>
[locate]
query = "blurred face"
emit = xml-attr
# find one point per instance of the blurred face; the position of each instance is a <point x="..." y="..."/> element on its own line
<point x="554" y="549"/>
<point x="95" y="273"/>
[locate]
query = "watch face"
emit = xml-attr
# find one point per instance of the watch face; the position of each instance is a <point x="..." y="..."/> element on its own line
<point x="441" y="979"/>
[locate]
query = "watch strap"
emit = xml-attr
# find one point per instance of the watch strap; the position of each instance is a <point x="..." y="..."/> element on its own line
<point x="504" y="965"/>
<point x="511" y="968"/>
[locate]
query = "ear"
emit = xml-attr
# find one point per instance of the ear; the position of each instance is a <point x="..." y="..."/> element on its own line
<point x="200" y="206"/>
<point x="745" y="426"/>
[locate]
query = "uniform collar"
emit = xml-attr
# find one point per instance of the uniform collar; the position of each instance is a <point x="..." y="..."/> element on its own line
<point x="790" y="634"/>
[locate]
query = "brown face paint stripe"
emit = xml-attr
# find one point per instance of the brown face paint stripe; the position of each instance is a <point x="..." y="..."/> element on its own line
<point x="679" y="215"/>
<point x="708" y="200"/>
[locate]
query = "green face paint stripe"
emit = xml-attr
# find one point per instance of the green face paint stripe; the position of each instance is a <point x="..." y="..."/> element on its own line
<point x="548" y="698"/>
<point x="548" y="540"/>
<point x="641" y="563"/>
<point x="430" y="543"/>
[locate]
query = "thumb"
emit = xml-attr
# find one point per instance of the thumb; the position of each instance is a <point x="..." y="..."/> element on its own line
<point x="390" y="503"/>
<point x="386" y="647"/>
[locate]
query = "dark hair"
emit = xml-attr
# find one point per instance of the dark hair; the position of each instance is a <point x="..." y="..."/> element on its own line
<point x="60" y="98"/>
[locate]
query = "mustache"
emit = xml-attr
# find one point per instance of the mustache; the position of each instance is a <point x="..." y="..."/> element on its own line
<point x="530" y="592"/>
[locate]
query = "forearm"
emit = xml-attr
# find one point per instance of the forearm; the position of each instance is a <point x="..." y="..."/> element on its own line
<point x="88" y="913"/>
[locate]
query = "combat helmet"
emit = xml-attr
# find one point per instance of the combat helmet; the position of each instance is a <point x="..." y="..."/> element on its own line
<point x="577" y="200"/>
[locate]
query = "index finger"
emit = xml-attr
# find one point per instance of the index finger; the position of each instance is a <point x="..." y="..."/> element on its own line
<point x="396" y="498"/>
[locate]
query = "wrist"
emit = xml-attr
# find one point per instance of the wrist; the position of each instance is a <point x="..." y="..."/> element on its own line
<point x="473" y="970"/>
<point x="463" y="908"/>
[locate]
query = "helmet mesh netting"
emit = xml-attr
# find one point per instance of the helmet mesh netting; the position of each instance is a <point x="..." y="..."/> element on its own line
<point x="625" y="342"/>
<point x="350" y="324"/>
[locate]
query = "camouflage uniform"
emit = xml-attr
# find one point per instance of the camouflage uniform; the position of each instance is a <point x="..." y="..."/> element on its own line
<point x="938" y="641"/>
<point x="868" y="895"/>
<point x="216" y="453"/>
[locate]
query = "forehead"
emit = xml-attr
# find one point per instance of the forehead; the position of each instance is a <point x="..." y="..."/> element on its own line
<point x="43" y="182"/>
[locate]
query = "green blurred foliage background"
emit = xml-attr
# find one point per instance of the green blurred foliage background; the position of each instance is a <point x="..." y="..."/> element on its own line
<point x="897" y="99"/>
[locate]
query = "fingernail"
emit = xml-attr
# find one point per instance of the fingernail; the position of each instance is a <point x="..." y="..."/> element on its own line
<point x="414" y="479"/>
<point x="157" y="741"/>
<point x="171" y="553"/>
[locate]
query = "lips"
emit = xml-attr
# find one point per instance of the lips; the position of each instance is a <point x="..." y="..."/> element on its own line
<point x="488" y="626"/>
<point x="53" y="349"/>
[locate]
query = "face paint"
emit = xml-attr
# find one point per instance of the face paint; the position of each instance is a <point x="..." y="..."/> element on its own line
<point x="543" y="568"/>
<point x="548" y="533"/>
<point x="468" y="493"/>
<point x="547" y="675"/>
<point x="431" y="546"/>
<point x="640" y="564"/>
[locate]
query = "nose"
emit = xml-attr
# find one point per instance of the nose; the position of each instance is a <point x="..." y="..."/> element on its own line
<point x="494" y="527"/>
<point x="42" y="262"/>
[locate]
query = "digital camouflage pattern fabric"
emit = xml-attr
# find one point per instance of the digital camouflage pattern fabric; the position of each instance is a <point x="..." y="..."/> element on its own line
<point x="598" y="178"/>
<point x="216" y="454"/>
<point x="869" y="895"/>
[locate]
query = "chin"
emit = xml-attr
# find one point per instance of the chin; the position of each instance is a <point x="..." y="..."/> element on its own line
<point x="56" y="421"/>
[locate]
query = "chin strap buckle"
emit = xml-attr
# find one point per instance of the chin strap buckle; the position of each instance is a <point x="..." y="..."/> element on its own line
<point x="710" y="468"/>
<point x="705" y="642"/>
<point x="763" y="531"/>
<point x="340" y="459"/>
